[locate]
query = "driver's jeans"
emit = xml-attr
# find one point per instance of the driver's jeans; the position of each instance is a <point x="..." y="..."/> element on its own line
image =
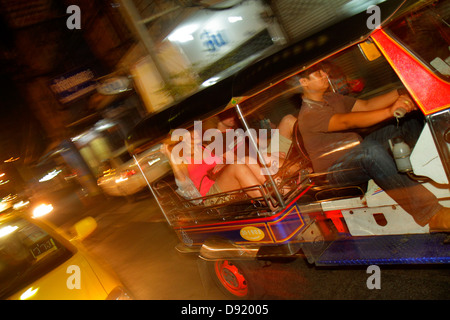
<point x="372" y="159"/>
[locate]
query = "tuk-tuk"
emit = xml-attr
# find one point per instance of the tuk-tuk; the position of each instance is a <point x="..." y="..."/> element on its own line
<point x="297" y="212"/>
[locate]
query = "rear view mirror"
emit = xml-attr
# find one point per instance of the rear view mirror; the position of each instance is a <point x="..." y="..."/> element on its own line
<point x="83" y="228"/>
<point x="369" y="50"/>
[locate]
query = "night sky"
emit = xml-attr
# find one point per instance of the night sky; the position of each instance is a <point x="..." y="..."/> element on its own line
<point x="12" y="120"/>
<point x="20" y="132"/>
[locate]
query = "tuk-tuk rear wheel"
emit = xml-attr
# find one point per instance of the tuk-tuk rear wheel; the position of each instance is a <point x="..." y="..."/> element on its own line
<point x="231" y="278"/>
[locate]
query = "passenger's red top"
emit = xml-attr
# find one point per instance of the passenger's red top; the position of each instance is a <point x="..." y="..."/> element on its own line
<point x="198" y="172"/>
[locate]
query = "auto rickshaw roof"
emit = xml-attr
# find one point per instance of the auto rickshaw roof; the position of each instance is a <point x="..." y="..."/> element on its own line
<point x="258" y="75"/>
<point x="310" y="50"/>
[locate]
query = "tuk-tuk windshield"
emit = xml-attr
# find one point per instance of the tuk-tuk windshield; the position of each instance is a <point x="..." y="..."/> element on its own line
<point x="426" y="33"/>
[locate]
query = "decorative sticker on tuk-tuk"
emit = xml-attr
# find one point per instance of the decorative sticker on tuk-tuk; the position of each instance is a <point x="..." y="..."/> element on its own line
<point x="252" y="233"/>
<point x="288" y="225"/>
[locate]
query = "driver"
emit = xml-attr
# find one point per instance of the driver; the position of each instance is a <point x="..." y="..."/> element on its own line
<point x="327" y="122"/>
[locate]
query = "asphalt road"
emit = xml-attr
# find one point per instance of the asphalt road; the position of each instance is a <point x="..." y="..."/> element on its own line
<point x="135" y="240"/>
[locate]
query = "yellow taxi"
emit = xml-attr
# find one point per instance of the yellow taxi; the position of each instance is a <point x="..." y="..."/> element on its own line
<point x="38" y="262"/>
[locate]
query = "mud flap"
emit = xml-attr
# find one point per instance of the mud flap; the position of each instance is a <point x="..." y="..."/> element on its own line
<point x="314" y="242"/>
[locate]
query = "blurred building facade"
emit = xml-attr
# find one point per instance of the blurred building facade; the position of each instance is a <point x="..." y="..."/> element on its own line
<point x="39" y="51"/>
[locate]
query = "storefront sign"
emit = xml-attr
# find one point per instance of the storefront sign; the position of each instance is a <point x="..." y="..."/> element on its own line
<point x="73" y="85"/>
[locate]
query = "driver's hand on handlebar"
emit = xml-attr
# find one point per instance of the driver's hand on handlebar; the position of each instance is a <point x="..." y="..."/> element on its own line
<point x="404" y="102"/>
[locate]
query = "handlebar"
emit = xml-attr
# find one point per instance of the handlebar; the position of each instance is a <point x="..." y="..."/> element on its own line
<point x="399" y="113"/>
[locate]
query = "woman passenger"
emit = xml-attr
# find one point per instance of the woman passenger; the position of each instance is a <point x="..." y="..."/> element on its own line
<point x="231" y="177"/>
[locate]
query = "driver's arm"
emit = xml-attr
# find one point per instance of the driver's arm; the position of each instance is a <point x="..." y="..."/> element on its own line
<point x="370" y="112"/>
<point x="378" y="102"/>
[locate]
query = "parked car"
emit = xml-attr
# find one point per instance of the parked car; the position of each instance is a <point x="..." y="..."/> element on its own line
<point x="122" y="177"/>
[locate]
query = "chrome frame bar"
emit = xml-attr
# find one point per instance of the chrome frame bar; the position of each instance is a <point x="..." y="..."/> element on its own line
<point x="260" y="158"/>
<point x="149" y="186"/>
